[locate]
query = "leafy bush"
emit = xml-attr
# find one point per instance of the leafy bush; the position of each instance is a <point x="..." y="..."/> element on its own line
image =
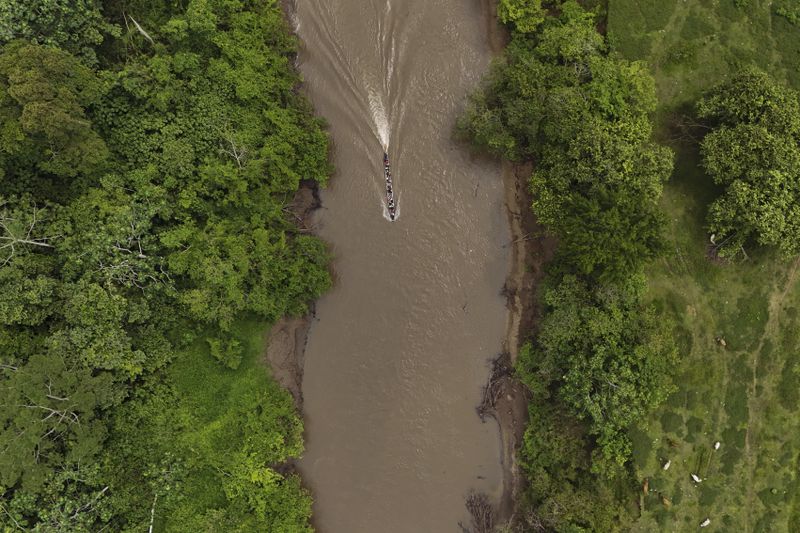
<point x="753" y="152"/>
<point x="607" y="355"/>
<point x="76" y="26"/>
<point x="526" y="15"/>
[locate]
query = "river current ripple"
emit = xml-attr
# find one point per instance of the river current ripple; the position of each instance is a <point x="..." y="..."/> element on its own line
<point x="400" y="347"/>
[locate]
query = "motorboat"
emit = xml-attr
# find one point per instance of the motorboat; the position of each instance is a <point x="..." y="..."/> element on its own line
<point x="391" y="205"/>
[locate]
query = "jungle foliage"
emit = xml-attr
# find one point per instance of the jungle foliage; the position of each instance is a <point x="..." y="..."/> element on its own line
<point x="754" y="153"/>
<point x="602" y="357"/>
<point x="525" y="15"/>
<point x="560" y="100"/>
<point x="146" y="167"/>
<point x="607" y="355"/>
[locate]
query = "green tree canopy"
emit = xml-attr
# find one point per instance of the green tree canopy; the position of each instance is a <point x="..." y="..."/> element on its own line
<point x="526" y="15"/>
<point x="582" y="117"/>
<point x="608" y="355"/>
<point x="44" y="93"/>
<point x="75" y="26"/>
<point x="144" y="217"/>
<point x="753" y="152"/>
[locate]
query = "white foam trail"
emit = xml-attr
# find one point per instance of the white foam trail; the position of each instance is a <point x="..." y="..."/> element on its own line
<point x="391" y="62"/>
<point x="294" y="19"/>
<point x="379" y="117"/>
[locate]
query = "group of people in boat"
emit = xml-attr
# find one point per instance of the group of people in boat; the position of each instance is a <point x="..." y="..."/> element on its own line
<point x="387" y="173"/>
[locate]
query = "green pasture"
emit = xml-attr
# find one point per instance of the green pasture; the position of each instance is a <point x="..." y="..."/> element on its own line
<point x="744" y="394"/>
<point x="691" y="44"/>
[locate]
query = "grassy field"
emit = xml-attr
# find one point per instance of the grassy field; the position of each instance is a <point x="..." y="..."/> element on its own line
<point x="745" y="394"/>
<point x="213" y="394"/>
<point x="692" y="43"/>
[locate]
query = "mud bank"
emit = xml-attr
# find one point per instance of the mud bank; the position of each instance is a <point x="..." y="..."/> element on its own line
<point x="530" y="250"/>
<point x="287" y="339"/>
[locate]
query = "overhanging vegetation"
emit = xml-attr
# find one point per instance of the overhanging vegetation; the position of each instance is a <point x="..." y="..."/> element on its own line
<point x="148" y="155"/>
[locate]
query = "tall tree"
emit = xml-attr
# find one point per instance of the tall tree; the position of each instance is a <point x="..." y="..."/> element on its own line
<point x="754" y="153"/>
<point x="44" y="93"/>
<point x="609" y="356"/>
<point x="76" y="26"/>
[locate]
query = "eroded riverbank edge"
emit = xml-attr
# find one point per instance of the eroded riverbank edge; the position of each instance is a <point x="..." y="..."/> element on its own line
<point x="530" y="250"/>
<point x="287" y="338"/>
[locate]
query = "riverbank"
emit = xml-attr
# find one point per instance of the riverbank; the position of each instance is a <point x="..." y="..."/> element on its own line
<point x="288" y="337"/>
<point x="530" y="250"/>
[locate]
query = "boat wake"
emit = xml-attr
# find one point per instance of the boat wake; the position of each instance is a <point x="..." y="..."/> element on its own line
<point x="379" y="118"/>
<point x="381" y="122"/>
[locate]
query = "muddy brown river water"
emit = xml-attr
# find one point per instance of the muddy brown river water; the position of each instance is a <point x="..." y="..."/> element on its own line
<point x="399" y="349"/>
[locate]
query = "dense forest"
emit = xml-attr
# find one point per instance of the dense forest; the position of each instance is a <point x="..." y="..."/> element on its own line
<point x="605" y="358"/>
<point x="148" y="155"/>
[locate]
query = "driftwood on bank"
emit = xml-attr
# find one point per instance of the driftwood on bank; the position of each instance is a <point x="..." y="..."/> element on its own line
<point x="501" y="370"/>
<point x="481" y="513"/>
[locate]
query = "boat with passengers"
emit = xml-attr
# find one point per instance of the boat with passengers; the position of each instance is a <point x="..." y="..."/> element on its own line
<point x="391" y="206"/>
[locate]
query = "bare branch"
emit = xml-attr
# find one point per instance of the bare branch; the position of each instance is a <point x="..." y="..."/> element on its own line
<point x="3" y="507"/>
<point x="153" y="513"/>
<point x="238" y="153"/>
<point x="11" y="240"/>
<point x="89" y="506"/>
<point x="51" y="395"/>
<point x="141" y="30"/>
<point x="481" y="512"/>
<point x="62" y="415"/>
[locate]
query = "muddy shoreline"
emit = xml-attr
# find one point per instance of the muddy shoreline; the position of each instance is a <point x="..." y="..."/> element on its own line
<point x="288" y="337"/>
<point x="530" y="250"/>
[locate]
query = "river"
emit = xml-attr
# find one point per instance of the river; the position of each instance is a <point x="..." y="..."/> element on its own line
<point x="399" y="350"/>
